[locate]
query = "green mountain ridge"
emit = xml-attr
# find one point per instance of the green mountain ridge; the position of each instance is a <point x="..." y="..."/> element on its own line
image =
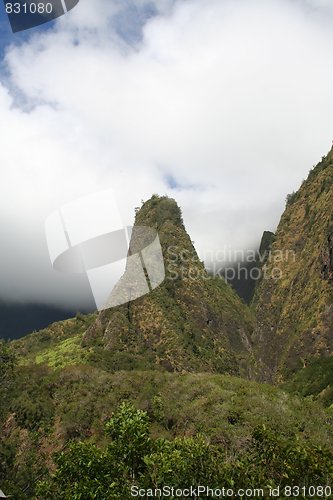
<point x="294" y="313"/>
<point x="188" y="354"/>
<point x="191" y="322"/>
<point x="185" y="324"/>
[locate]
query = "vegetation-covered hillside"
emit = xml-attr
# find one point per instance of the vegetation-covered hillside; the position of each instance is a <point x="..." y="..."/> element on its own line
<point x="191" y="322"/>
<point x="150" y="392"/>
<point x="43" y="410"/>
<point x="294" y="304"/>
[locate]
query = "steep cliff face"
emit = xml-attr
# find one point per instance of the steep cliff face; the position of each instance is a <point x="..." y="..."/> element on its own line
<point x="190" y="322"/>
<point x="294" y="301"/>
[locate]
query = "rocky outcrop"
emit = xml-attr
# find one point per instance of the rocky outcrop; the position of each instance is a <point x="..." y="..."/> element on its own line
<point x="327" y="258"/>
<point x="191" y="322"/>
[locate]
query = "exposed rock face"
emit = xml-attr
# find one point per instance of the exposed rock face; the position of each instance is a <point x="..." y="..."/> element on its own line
<point x="327" y="258"/>
<point x="267" y="240"/>
<point x="191" y="322"/>
<point x="294" y="302"/>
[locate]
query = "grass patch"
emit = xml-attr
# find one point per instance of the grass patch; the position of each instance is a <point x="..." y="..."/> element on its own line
<point x="67" y="352"/>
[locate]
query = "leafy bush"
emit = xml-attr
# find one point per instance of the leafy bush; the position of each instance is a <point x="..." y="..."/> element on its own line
<point x="277" y="460"/>
<point x="291" y="198"/>
<point x="134" y="458"/>
<point x="7" y="360"/>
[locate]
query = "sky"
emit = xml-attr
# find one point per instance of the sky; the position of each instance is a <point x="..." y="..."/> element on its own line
<point x="224" y="105"/>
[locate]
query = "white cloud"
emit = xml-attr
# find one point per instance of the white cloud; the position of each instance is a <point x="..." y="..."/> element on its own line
<point x="230" y="97"/>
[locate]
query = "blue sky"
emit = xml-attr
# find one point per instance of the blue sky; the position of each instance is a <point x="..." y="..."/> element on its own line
<point x="7" y="36"/>
<point x="127" y="23"/>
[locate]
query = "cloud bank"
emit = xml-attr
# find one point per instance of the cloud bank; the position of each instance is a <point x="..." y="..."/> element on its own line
<point x="223" y="104"/>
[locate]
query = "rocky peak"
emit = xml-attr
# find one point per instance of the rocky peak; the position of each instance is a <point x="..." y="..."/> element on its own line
<point x="192" y="321"/>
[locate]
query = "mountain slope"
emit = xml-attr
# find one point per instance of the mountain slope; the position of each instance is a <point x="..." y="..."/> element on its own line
<point x="44" y="410"/>
<point x="191" y="322"/>
<point x="294" y="303"/>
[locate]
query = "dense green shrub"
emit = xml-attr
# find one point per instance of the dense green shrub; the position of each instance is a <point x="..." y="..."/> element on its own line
<point x="133" y="458"/>
<point x="7" y="360"/>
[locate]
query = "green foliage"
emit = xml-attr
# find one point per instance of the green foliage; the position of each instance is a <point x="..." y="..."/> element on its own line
<point x="194" y="425"/>
<point x="277" y="460"/>
<point x="66" y="352"/>
<point x="32" y="405"/>
<point x="86" y="472"/>
<point x="7" y="360"/>
<point x="291" y="198"/>
<point x="294" y="312"/>
<point x="314" y="380"/>
<point x="47" y="410"/>
<point x="129" y="431"/>
<point x="83" y="473"/>
<point x="19" y="470"/>
<point x="133" y="458"/>
<point x="158" y="210"/>
<point x="183" y="462"/>
<point x="58" y="345"/>
<point x="191" y="322"/>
